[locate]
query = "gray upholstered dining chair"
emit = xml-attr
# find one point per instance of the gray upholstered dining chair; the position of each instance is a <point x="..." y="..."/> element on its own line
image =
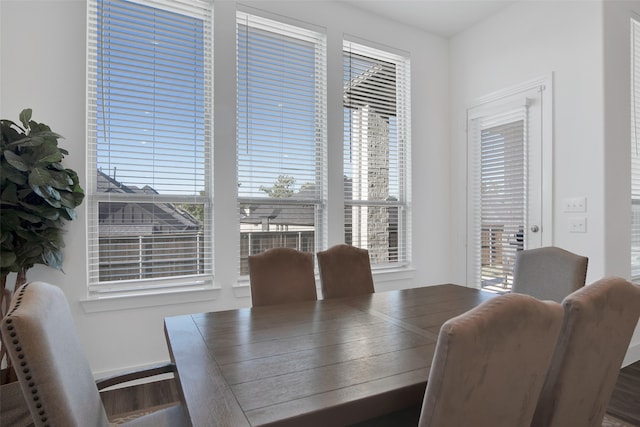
<point x="490" y="363"/>
<point x="599" y="322"/>
<point x="52" y="369"/>
<point x="548" y="273"/>
<point x="281" y="275"/>
<point x="345" y="270"/>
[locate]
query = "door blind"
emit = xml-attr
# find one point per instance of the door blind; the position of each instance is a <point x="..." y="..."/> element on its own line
<point x="499" y="194"/>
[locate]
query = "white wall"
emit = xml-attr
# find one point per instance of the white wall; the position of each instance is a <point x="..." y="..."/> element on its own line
<point x="42" y="66"/>
<point x="526" y="41"/>
<point x="587" y="51"/>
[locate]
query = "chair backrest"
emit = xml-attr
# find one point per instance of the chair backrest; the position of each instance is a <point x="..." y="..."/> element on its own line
<point x="490" y="363"/>
<point x="281" y="275"/>
<point x="345" y="270"/>
<point x="52" y="368"/>
<point x="599" y="322"/>
<point x="549" y="273"/>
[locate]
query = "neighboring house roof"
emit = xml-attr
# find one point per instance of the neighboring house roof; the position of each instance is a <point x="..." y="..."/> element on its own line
<point x="290" y="214"/>
<point x="300" y="215"/>
<point x="166" y="214"/>
<point x="282" y="214"/>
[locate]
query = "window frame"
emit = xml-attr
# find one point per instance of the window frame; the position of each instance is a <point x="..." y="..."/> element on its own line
<point x="402" y="86"/>
<point x="282" y="28"/>
<point x="97" y="289"/>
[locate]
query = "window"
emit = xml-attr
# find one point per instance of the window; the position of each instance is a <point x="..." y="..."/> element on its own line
<point x="281" y="130"/>
<point x="635" y="149"/>
<point x="376" y="153"/>
<point x="150" y="119"/>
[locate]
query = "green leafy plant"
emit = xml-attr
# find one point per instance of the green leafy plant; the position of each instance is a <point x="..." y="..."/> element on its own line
<point x="38" y="195"/>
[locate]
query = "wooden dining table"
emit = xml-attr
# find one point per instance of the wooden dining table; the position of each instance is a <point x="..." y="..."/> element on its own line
<point x="315" y="363"/>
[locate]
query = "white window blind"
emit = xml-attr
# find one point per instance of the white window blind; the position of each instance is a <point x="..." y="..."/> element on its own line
<point x="635" y="149"/>
<point x="281" y="131"/>
<point x="498" y="153"/>
<point x="377" y="127"/>
<point x="149" y="131"/>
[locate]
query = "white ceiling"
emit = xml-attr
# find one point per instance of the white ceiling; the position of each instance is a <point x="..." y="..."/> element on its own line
<point x="442" y="17"/>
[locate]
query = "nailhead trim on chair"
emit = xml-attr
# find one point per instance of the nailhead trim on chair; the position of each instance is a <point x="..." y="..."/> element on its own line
<point x="23" y="363"/>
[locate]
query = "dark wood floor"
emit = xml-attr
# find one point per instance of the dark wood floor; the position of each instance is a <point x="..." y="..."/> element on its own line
<point x="625" y="401"/>
<point x="624" y="404"/>
<point x="149" y="395"/>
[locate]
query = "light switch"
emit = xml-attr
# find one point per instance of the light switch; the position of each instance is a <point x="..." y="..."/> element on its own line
<point x="578" y="224"/>
<point x="574" y="204"/>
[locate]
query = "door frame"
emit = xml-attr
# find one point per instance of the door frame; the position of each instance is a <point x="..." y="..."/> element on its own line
<point x="496" y="101"/>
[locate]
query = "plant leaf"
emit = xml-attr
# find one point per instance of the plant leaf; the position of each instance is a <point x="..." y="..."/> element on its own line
<point x="10" y="195"/>
<point x="44" y="132"/>
<point x="5" y="237"/>
<point x="25" y="117"/>
<point x="13" y="175"/>
<point x="38" y="127"/>
<point x="60" y="180"/>
<point x="39" y="177"/>
<point x="16" y="161"/>
<point x="72" y="213"/>
<point x="7" y="259"/>
<point x="31" y="141"/>
<point x="29" y="217"/>
<point x="53" y="193"/>
<point x="47" y="154"/>
<point x="67" y="199"/>
<point x="9" y="220"/>
<point x="26" y="142"/>
<point x="49" y="194"/>
<point x="78" y="196"/>
<point x="10" y="130"/>
<point x="29" y="251"/>
<point x="48" y="212"/>
<point x="52" y="258"/>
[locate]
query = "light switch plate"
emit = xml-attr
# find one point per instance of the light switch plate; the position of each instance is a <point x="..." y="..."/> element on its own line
<point x="574" y="204"/>
<point x="578" y="224"/>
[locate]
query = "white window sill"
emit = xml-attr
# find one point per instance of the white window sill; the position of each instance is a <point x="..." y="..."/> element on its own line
<point x="393" y="274"/>
<point x="242" y="289"/>
<point x="133" y="301"/>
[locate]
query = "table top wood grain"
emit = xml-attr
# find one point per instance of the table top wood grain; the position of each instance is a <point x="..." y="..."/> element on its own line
<point x="325" y="362"/>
